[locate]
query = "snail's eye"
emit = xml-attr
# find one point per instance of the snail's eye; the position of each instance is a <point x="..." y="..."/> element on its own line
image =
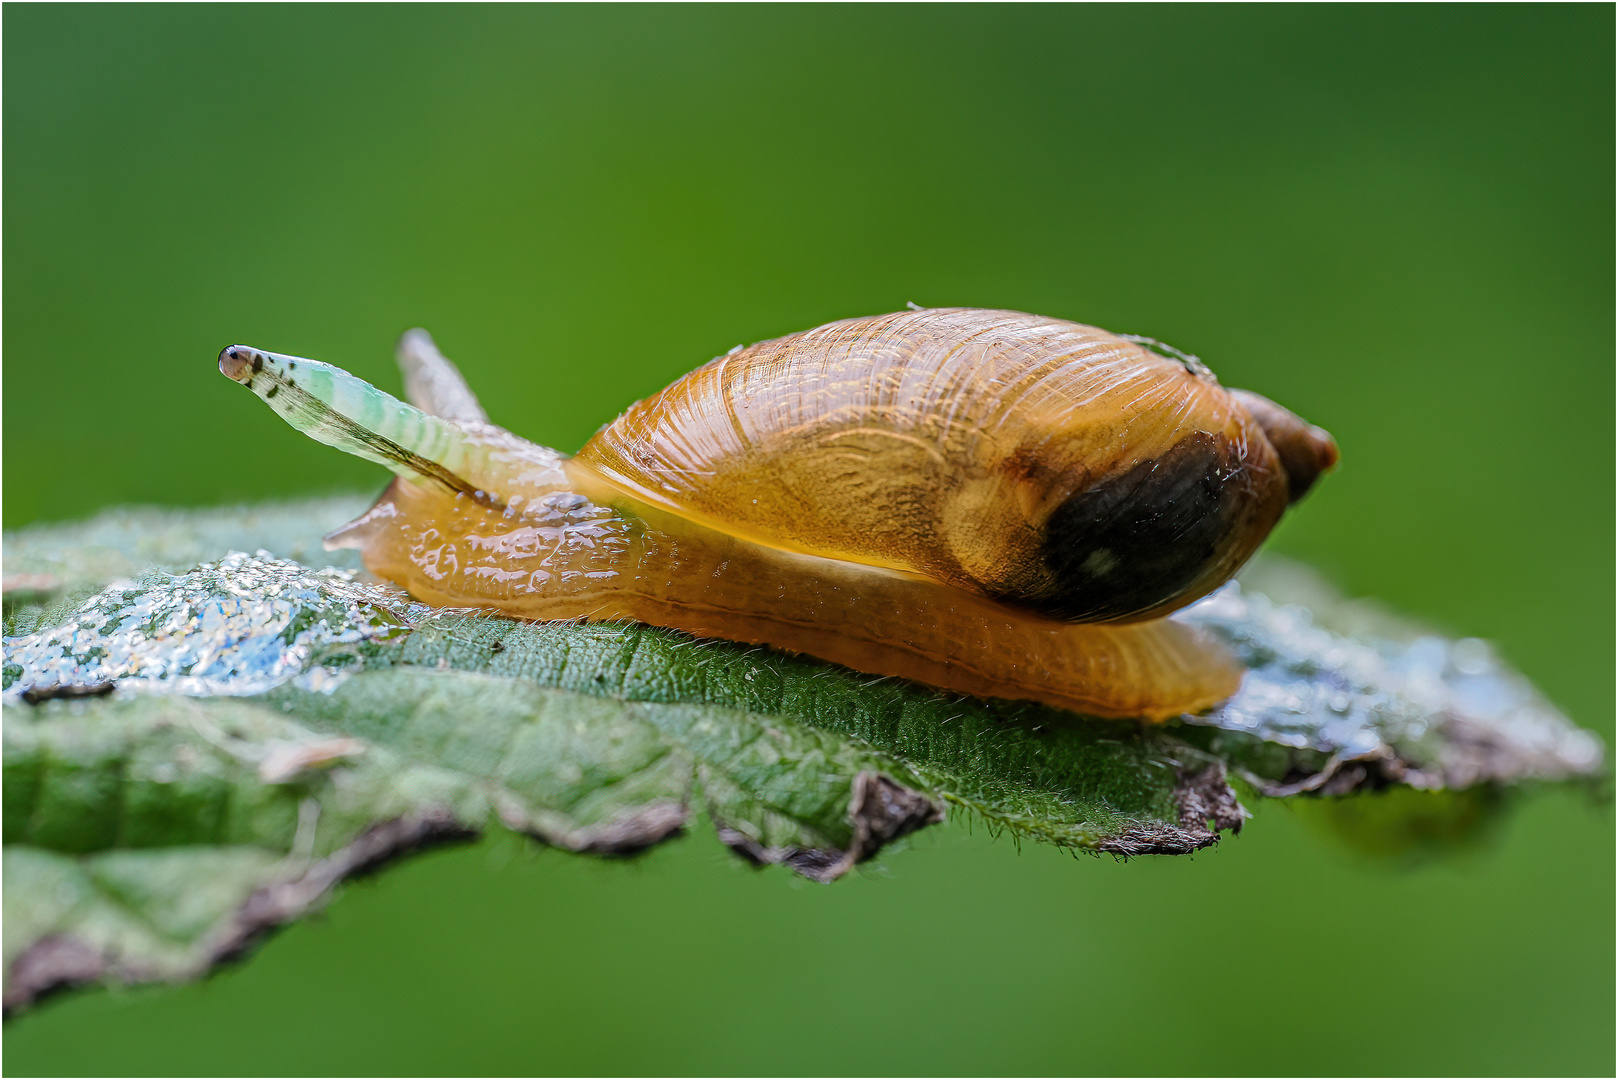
<point x="240" y="363"/>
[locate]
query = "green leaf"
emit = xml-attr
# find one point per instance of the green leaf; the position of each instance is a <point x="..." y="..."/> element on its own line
<point x="195" y="754"/>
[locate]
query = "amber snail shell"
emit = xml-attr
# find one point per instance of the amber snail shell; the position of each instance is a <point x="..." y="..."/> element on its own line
<point x="993" y="503"/>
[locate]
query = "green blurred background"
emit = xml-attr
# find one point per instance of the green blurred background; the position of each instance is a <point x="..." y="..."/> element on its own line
<point x="1397" y="221"/>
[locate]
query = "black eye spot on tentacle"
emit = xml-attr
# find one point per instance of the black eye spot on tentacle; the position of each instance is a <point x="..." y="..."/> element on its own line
<point x="239" y="364"/>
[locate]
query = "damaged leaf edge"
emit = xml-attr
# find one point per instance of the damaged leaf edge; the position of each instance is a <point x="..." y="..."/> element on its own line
<point x="62" y="961"/>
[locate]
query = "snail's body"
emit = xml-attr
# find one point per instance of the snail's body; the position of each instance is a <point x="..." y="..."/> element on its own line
<point x="565" y="557"/>
<point x="937" y="495"/>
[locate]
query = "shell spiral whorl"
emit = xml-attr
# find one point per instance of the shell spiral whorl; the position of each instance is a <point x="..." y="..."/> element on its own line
<point x="1033" y="461"/>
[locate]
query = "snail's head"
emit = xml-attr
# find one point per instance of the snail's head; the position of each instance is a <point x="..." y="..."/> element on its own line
<point x="240" y="363"/>
<point x="1305" y="450"/>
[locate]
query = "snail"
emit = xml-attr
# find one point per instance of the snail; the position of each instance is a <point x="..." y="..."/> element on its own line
<point x="989" y="502"/>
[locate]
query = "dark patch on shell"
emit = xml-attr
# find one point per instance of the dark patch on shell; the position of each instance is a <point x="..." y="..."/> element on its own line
<point x="1140" y="538"/>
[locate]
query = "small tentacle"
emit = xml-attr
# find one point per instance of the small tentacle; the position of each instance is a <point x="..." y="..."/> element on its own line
<point x="432" y="383"/>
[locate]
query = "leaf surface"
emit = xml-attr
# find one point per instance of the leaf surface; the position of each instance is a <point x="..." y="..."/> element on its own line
<point x="195" y="754"/>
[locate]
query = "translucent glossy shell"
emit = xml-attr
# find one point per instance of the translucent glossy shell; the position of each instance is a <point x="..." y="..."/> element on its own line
<point x="1031" y="460"/>
<point x="989" y="502"/>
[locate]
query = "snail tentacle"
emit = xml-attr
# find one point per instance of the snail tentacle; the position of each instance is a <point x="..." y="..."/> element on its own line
<point x="434" y="384"/>
<point x="333" y="407"/>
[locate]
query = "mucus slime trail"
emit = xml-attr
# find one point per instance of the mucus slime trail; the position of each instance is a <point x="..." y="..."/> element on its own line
<point x="989" y="502"/>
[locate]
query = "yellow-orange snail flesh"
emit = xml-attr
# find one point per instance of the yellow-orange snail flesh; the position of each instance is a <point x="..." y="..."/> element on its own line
<point x="989" y="502"/>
